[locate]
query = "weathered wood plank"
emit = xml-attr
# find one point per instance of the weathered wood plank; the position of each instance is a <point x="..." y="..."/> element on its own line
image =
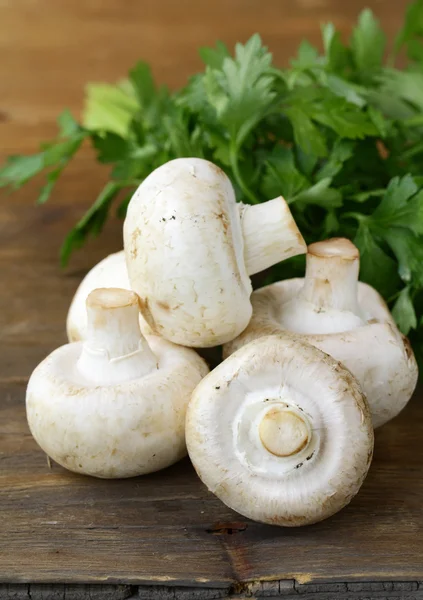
<point x="65" y="527"/>
<point x="286" y="589"/>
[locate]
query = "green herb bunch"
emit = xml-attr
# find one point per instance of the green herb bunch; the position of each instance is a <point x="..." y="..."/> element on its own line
<point x="338" y="134"/>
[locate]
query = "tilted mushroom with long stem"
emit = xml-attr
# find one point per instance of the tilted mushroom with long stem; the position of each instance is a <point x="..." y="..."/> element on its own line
<point x="190" y="249"/>
<point x="115" y="405"/>
<point x="280" y="432"/>
<point x="111" y="272"/>
<point x="343" y="317"/>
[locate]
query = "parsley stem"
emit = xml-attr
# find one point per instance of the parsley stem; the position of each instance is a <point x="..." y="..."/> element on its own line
<point x="354" y="215"/>
<point x="394" y="296"/>
<point x="233" y="156"/>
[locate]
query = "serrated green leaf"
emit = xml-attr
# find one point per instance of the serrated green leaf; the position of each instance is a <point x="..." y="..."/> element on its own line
<point x="68" y="126"/>
<point x="378" y="119"/>
<point x="364" y="196"/>
<point x="341" y="152"/>
<point x="19" y="169"/>
<point x="405" y="85"/>
<point x="306" y="134"/>
<point x="194" y="95"/>
<point x="320" y="194"/>
<point x="338" y="56"/>
<point x="376" y="267"/>
<point x="46" y="190"/>
<point x="138" y="163"/>
<point x="143" y="84"/>
<point x="92" y="221"/>
<point x="408" y="249"/>
<point x="330" y="224"/>
<point x="412" y="27"/>
<point x="214" y="57"/>
<point x="415" y="50"/>
<point x="109" y="108"/>
<point x="390" y="103"/>
<point x="110" y="147"/>
<point x="282" y="177"/>
<point x="306" y="162"/>
<point x="345" y="119"/>
<point x="241" y="90"/>
<point x="62" y="152"/>
<point x="398" y="192"/>
<point x="352" y="93"/>
<point x="368" y="43"/>
<point x="307" y="57"/>
<point x="404" y="313"/>
<point x="401" y="206"/>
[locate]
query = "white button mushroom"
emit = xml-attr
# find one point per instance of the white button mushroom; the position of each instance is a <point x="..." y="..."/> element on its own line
<point x="113" y="406"/>
<point x="343" y="317"/>
<point x="111" y="272"/>
<point x="280" y="432"/>
<point x="190" y="249"/>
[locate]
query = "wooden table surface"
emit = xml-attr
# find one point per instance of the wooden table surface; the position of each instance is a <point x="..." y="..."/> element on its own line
<point x="165" y="529"/>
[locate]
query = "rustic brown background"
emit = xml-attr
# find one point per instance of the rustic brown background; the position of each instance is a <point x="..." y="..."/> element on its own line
<point x="59" y="527"/>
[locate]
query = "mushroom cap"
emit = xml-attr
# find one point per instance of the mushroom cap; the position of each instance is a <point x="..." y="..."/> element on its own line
<point x="280" y="432"/>
<point x="113" y="431"/>
<point x="378" y="355"/>
<point x="111" y="272"/>
<point x="184" y="251"/>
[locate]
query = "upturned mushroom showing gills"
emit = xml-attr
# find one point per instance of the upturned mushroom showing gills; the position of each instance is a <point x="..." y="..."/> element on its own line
<point x="346" y="318"/>
<point x="190" y="249"/>
<point x="115" y="405"/>
<point x="280" y="432"/>
<point x="111" y="272"/>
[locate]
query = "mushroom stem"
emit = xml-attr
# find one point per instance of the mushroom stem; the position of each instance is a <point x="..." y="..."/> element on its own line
<point x="115" y="349"/>
<point x="270" y="234"/>
<point x="331" y="278"/>
<point x="283" y="433"/>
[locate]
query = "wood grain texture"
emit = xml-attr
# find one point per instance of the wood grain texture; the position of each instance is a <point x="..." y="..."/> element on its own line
<point x="164" y="529"/>
<point x="275" y="590"/>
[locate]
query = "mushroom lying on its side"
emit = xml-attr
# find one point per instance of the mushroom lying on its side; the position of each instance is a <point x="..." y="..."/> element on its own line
<point x="190" y="249"/>
<point x="111" y="272"/>
<point x="115" y="405"/>
<point x="343" y="317"/>
<point x="280" y="432"/>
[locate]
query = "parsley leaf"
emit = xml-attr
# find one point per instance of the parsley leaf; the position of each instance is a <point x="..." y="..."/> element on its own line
<point x="367" y="43"/>
<point x="54" y="155"/>
<point x="411" y="34"/>
<point x="241" y="90"/>
<point x="92" y="222"/>
<point x="306" y="134"/>
<point x="376" y="267"/>
<point x="404" y="313"/>
<point x="282" y="176"/>
<point x="214" y="57"/>
<point x="408" y="250"/>
<point x="400" y="206"/>
<point x="109" y="108"/>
